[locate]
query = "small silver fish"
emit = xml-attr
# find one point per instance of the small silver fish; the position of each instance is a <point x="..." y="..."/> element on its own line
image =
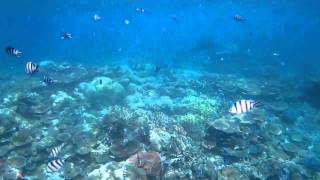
<point x="140" y="162"/>
<point x="124" y="171"/>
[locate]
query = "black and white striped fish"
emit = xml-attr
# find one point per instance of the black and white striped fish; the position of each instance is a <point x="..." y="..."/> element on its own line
<point x="243" y="106"/>
<point x="47" y="80"/>
<point x="56" y="151"/>
<point x="13" y="51"/>
<point x="66" y="35"/>
<point x="55" y="165"/>
<point x="237" y="17"/>
<point x="31" y="68"/>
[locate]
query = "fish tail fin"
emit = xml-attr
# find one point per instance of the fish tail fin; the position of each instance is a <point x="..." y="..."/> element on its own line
<point x="7" y="49"/>
<point x="37" y="68"/>
<point x="257" y="104"/>
<point x="62" y="145"/>
<point x="67" y="157"/>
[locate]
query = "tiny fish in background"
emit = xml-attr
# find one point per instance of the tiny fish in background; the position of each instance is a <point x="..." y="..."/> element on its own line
<point x="31" y="68"/>
<point x="157" y="69"/>
<point x="96" y="17"/>
<point x="175" y="19"/>
<point x="140" y="10"/>
<point x="13" y="51"/>
<point x="66" y="35"/>
<point x="55" y="165"/>
<point x="244" y="106"/>
<point x="56" y="150"/>
<point x="47" y="80"/>
<point x="237" y="17"/>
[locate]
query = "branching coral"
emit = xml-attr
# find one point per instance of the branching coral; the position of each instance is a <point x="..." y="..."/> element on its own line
<point x="125" y="131"/>
<point x="201" y="104"/>
<point x="190" y="117"/>
<point x="199" y="108"/>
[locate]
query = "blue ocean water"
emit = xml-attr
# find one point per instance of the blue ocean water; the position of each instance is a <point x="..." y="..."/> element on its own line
<point x="182" y="64"/>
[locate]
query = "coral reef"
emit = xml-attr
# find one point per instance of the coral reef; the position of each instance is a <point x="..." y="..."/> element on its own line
<point x="22" y="137"/>
<point x="201" y="104"/>
<point x="159" y="138"/>
<point x="129" y="122"/>
<point x="227" y="125"/>
<point x="149" y="161"/>
<point x="17" y="161"/>
<point x="102" y="89"/>
<point x="117" y="170"/>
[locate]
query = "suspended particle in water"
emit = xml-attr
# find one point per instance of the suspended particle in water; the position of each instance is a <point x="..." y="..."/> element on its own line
<point x="126" y="22"/>
<point x="96" y="17"/>
<point x="276" y="54"/>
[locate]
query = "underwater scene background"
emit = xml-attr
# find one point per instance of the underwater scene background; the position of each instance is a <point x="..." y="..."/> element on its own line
<point x="197" y="89"/>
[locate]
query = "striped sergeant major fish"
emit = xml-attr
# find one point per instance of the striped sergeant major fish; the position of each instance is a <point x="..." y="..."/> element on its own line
<point x="47" y="80"/>
<point x="31" y="68"/>
<point x="13" y="51"/>
<point x="55" y="165"/>
<point x="237" y="17"/>
<point x="66" y="35"/>
<point x="244" y="106"/>
<point x="56" y="151"/>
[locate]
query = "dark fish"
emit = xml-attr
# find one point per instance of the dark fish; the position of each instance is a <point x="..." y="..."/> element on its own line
<point x="47" y="80"/>
<point x="244" y="106"/>
<point x="237" y="17"/>
<point x="157" y="69"/>
<point x="66" y="35"/>
<point x="175" y="19"/>
<point x="13" y="51"/>
<point x="55" y="165"/>
<point x="31" y="68"/>
<point x="100" y="81"/>
<point x="56" y="151"/>
<point x="20" y="176"/>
